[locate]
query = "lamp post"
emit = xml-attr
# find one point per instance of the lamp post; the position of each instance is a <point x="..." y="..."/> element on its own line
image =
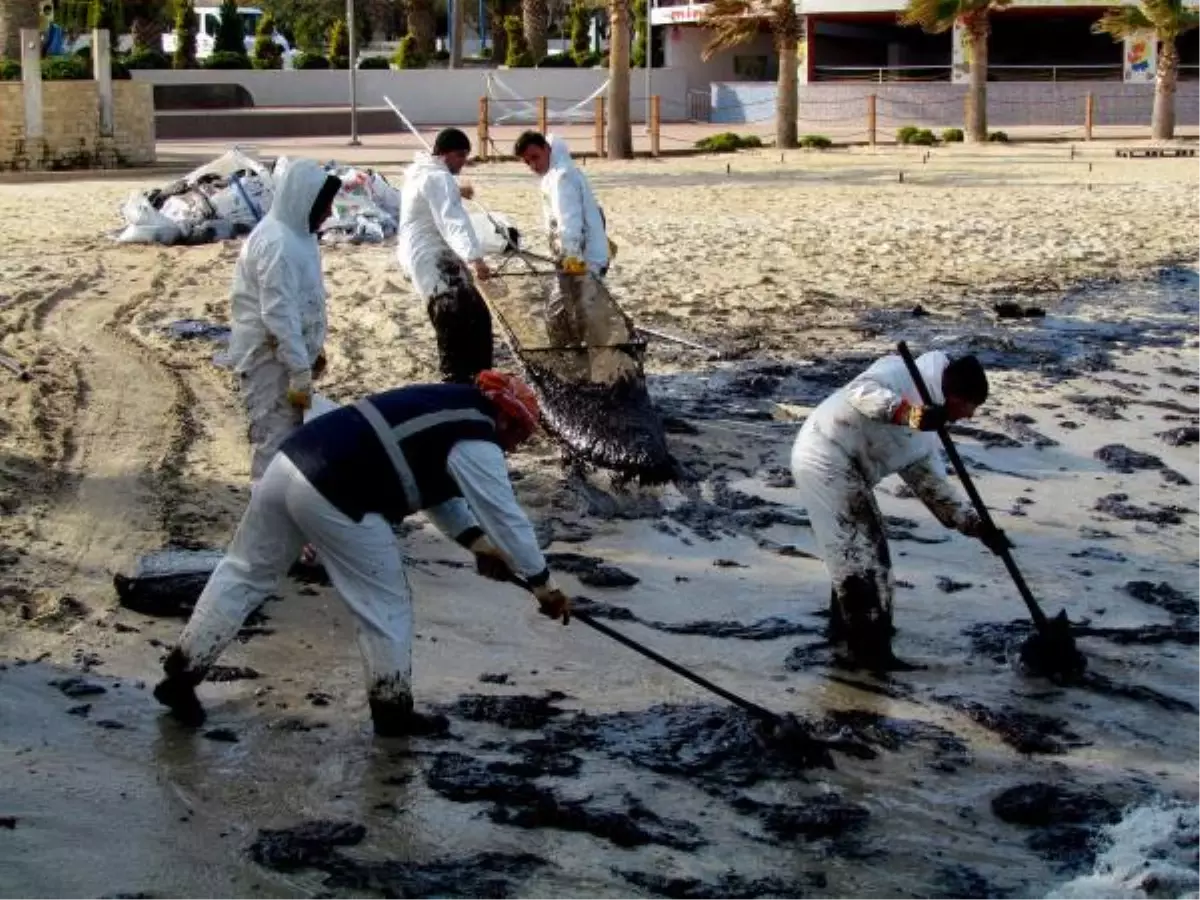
<point x="649" y="61"/>
<point x="352" y="35"/>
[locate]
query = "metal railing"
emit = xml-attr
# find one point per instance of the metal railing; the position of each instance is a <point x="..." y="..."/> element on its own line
<point x="699" y="106"/>
<point x="1050" y="73"/>
<point x="881" y="74"/>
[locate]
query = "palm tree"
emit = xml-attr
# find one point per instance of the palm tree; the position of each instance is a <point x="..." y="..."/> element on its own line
<point x="536" y="16"/>
<point x="620" y="130"/>
<point x="736" y="22"/>
<point x="15" y="15"/>
<point x="1168" y="19"/>
<point x="422" y="25"/>
<point x="937" y="16"/>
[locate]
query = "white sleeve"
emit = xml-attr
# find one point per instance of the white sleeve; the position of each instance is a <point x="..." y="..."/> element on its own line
<point x="479" y="470"/>
<point x="279" y="296"/>
<point x="936" y="491"/>
<point x="567" y="201"/>
<point x="445" y="202"/>
<point x="874" y="400"/>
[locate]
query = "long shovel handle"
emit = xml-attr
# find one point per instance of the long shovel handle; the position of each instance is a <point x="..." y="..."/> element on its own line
<point x="1039" y="617"/>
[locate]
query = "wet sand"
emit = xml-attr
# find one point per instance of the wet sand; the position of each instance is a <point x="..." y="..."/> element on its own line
<point x="126" y="440"/>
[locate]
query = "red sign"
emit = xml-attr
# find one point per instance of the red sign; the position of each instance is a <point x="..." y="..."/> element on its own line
<point x="673" y="15"/>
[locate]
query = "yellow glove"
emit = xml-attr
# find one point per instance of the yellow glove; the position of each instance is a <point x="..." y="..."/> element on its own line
<point x="612" y="249"/>
<point x="573" y="265"/>
<point x="552" y="602"/>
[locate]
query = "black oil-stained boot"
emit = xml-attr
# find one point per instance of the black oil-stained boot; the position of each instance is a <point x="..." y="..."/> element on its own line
<point x="178" y="690"/>
<point x="395" y="717"/>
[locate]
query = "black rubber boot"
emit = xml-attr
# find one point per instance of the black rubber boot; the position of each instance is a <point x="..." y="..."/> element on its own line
<point x="396" y="718"/>
<point x="177" y="691"/>
<point x="835" y="631"/>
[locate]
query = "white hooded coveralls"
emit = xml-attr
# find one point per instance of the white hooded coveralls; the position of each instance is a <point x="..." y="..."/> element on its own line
<point x="845" y="448"/>
<point x="572" y="215"/>
<point x="278" y="310"/>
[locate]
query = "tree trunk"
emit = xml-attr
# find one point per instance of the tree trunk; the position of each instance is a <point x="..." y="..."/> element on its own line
<point x="536" y="18"/>
<point x="1162" y="124"/>
<point x="620" y="130"/>
<point x="977" y="36"/>
<point x="456" y="33"/>
<point x="15" y="15"/>
<point x="496" y="11"/>
<point x="787" y="95"/>
<point x="422" y="25"/>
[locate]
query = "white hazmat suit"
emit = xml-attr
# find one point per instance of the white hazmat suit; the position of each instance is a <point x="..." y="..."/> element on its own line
<point x="572" y="215"/>
<point x="278" y="310"/>
<point x="436" y="240"/>
<point x="846" y="447"/>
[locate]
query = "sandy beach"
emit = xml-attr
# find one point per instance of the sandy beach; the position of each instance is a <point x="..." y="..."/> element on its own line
<point x="800" y="271"/>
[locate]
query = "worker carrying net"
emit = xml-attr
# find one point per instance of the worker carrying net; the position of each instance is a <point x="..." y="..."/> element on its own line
<point x="580" y="352"/>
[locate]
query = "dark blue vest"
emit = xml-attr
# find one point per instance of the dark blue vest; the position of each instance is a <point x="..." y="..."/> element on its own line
<point x="387" y="454"/>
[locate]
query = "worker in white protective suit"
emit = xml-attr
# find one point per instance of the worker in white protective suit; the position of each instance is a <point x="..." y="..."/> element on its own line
<point x="871" y="428"/>
<point x="577" y="311"/>
<point x="439" y="251"/>
<point x="341" y="481"/>
<point x="278" y="308"/>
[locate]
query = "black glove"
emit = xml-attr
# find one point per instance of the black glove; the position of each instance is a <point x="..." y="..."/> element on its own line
<point x="492" y="566"/>
<point x="927" y="418"/>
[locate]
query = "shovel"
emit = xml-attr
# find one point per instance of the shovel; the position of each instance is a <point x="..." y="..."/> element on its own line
<point x="1052" y="649"/>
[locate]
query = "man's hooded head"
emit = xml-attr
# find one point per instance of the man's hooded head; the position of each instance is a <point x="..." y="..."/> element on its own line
<point x="533" y="149"/>
<point x="965" y="387"/>
<point x="303" y="195"/>
<point x="453" y="147"/>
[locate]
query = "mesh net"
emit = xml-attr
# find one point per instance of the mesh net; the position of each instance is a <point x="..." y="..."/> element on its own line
<point x="579" y="351"/>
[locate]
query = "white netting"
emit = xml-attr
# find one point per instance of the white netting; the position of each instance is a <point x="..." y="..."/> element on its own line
<point x="518" y="110"/>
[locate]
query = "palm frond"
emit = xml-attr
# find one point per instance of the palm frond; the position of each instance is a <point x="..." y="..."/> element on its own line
<point x="1123" y="22"/>
<point x="732" y="22"/>
<point x="1170" y="18"/>
<point x="934" y="16"/>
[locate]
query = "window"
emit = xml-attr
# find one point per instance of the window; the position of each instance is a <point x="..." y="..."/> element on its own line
<point x="210" y="25"/>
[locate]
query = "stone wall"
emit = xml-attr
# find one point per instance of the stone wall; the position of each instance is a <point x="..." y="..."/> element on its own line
<point x="71" y="132"/>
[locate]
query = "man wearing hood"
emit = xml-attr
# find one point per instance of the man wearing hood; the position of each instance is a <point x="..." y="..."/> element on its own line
<point x="871" y="428"/>
<point x="578" y="241"/>
<point x="342" y="481"/>
<point x="439" y="250"/>
<point x="278" y="308"/>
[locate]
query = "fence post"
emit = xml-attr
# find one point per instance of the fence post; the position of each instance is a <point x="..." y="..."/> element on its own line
<point x="482" y="127"/>
<point x="542" y="116"/>
<point x="1089" y="115"/>
<point x="655" y="124"/>
<point x="31" y="85"/>
<point x="600" y="127"/>
<point x="871" y="119"/>
<point x="102" y="72"/>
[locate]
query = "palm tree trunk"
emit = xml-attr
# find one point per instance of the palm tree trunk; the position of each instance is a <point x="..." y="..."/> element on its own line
<point x="536" y="16"/>
<point x="457" y="20"/>
<point x="977" y="34"/>
<point x="620" y="130"/>
<point x="787" y="99"/>
<point x="1162" y="123"/>
<point x="15" y="15"/>
<point x="422" y="25"/>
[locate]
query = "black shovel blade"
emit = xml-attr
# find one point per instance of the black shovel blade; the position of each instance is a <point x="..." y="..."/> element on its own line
<point x="788" y="735"/>
<point x="1053" y="652"/>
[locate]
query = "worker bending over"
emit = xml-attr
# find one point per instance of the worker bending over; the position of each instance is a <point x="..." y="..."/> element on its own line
<point x="341" y="482"/>
<point x="871" y="428"/>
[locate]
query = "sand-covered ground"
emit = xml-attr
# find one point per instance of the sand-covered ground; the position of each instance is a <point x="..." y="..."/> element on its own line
<point x="125" y="440"/>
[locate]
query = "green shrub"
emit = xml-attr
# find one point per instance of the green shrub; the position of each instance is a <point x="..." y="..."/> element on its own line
<point x="904" y="134"/>
<point x="408" y="54"/>
<point x="374" y="62"/>
<point x="226" y="60"/>
<point x="518" y="55"/>
<point x="557" y="61"/>
<point x="441" y="55"/>
<point x="998" y="137"/>
<point x="952" y="136"/>
<point x="185" y="36"/>
<point x="580" y="18"/>
<point x="310" y="61"/>
<point x="639" y="46"/>
<point x="267" y="53"/>
<point x="923" y="137"/>
<point x="485" y="53"/>
<point x="728" y="142"/>
<point x="146" y="59"/>
<point x="10" y="70"/>
<point x="816" y="142"/>
<point x="231" y="32"/>
<point x="339" y="43"/>
<point x="65" y="68"/>
<point x="119" y="67"/>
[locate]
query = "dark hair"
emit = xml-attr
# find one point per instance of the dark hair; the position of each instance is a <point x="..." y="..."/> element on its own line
<point x="529" y="139"/>
<point x="451" y="140"/>
<point x="322" y="202"/>
<point x="965" y="379"/>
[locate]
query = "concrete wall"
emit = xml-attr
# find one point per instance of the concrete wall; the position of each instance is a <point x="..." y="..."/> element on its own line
<point x="684" y="45"/>
<point x="437" y="96"/>
<point x="840" y="109"/>
<point x="71" y="127"/>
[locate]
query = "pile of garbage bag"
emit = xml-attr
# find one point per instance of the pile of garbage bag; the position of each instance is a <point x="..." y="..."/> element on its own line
<point x="227" y="197"/>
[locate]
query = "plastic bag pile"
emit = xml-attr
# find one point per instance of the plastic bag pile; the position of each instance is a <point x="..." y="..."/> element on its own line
<point x="227" y="197"/>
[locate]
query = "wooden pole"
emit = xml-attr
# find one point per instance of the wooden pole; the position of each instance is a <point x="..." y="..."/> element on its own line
<point x="1089" y="115"/>
<point x="484" y="116"/>
<point x="542" y="116"/>
<point x="871" y="119"/>
<point x="600" y="127"/>
<point x="655" y="125"/>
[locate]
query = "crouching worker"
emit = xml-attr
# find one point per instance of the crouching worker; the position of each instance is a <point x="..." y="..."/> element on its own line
<point x="872" y="428"/>
<point x="340" y="482"/>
